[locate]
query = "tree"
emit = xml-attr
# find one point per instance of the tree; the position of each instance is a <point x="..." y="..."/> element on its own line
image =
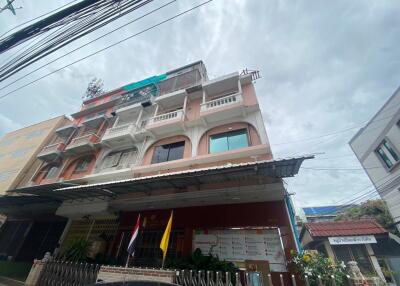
<point x="375" y="209"/>
<point x="95" y="88"/>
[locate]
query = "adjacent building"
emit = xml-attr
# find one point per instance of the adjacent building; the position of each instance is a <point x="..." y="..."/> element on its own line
<point x="176" y="141"/>
<point x="377" y="147"/>
<point x="321" y="213"/>
<point x="366" y="242"/>
<point x="19" y="150"/>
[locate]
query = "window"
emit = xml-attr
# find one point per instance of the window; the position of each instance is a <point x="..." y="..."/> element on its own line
<point x="52" y="172"/>
<point x="120" y="158"/>
<point x="387" y="153"/>
<point x="229" y="141"/>
<point x="82" y="165"/>
<point x="168" y="152"/>
<point x="356" y="252"/>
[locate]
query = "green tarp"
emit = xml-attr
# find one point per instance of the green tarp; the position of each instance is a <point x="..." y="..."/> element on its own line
<point x="142" y="83"/>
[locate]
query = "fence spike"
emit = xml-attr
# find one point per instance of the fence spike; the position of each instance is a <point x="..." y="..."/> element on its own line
<point x="281" y="278"/>
<point x="269" y="279"/>
<point x="293" y="280"/>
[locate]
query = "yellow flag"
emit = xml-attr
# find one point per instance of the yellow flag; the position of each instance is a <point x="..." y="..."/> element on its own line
<point x="165" y="238"/>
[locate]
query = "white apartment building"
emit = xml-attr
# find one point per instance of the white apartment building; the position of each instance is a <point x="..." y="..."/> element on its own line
<point x="377" y="147"/>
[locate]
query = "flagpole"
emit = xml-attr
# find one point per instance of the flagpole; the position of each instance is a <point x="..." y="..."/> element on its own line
<point x="127" y="261"/>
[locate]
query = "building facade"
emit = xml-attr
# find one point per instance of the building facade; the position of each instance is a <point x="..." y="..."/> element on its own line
<point x="377" y="147"/>
<point x="177" y="141"/>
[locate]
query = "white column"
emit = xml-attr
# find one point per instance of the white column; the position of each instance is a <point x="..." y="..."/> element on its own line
<point x="329" y="249"/>
<point x="204" y="96"/>
<point x="156" y="110"/>
<point x="184" y="104"/>
<point x="139" y="117"/>
<point x="374" y="261"/>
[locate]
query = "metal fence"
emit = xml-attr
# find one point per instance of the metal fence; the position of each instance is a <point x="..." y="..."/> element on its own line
<point x="211" y="278"/>
<point x="68" y="274"/>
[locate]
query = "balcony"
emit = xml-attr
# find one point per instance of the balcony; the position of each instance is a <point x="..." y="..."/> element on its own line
<point x="82" y="144"/>
<point x="222" y="108"/>
<point x="166" y="123"/>
<point x="120" y="135"/>
<point x="51" y="152"/>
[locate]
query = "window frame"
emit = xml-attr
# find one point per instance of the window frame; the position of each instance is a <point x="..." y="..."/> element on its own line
<point x="390" y="151"/>
<point x="88" y="161"/>
<point x="50" y="167"/>
<point x="169" y="151"/>
<point x="245" y="130"/>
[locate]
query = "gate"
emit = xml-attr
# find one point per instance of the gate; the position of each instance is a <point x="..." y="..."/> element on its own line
<point x="58" y="273"/>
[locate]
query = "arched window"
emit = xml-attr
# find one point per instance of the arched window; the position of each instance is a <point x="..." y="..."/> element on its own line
<point x="119" y="159"/>
<point x="82" y="164"/>
<point x="52" y="171"/>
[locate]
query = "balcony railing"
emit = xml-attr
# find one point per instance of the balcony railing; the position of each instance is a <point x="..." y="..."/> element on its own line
<point x="120" y="130"/>
<point x="83" y="140"/>
<point x="56" y="147"/>
<point x="52" y="151"/>
<point x="177" y="114"/>
<point x="221" y="102"/>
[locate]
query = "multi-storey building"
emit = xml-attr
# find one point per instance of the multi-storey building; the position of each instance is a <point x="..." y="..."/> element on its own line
<point x="18" y="163"/>
<point x="377" y="147"/>
<point x="174" y="141"/>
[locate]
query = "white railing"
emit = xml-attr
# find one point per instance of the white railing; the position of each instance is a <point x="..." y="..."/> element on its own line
<point x="51" y="148"/>
<point x="120" y="130"/>
<point x="177" y="114"/>
<point x="222" y="101"/>
<point x="84" y="139"/>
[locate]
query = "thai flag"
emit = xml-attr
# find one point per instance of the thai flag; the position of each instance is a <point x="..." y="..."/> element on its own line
<point x="131" y="246"/>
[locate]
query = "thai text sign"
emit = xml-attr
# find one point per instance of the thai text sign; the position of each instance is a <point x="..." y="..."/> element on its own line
<point x="359" y="239"/>
<point x="238" y="245"/>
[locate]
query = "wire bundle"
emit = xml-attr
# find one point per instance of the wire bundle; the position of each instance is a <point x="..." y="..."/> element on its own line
<point x="68" y="24"/>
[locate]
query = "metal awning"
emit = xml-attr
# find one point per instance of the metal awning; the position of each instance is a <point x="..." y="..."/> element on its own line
<point x="232" y="172"/>
<point x="49" y="192"/>
<point x="280" y="168"/>
<point x="27" y="205"/>
<point x="9" y="201"/>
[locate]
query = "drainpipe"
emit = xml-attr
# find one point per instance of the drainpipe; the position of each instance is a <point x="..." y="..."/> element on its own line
<point x="292" y="221"/>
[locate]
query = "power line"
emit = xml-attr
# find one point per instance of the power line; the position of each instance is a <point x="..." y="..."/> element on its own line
<point x="79" y="19"/>
<point x="33" y="19"/>
<point x="109" y="46"/>
<point x="361" y="124"/>
<point x="88" y="43"/>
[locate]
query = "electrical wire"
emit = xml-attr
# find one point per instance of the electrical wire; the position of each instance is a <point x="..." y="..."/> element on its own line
<point x="88" y="43"/>
<point x="41" y="16"/>
<point x="109" y="46"/>
<point x="89" y="16"/>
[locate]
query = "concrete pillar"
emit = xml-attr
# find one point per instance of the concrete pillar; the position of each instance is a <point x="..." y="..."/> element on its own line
<point x="374" y="261"/>
<point x="139" y="118"/>
<point x="329" y="249"/>
<point x="34" y="274"/>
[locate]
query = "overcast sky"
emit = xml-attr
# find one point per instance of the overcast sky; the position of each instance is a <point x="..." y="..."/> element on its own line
<point x="326" y="66"/>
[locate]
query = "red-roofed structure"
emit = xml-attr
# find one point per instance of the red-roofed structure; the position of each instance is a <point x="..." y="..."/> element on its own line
<point x="344" y="228"/>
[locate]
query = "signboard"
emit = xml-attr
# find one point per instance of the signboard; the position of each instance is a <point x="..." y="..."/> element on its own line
<point x="359" y="239"/>
<point x="238" y="245"/>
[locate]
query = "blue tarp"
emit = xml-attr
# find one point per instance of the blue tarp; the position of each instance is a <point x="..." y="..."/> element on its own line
<point x="326" y="210"/>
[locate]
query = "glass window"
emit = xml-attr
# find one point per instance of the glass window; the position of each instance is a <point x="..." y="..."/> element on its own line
<point x="388" y="154"/>
<point x="52" y="172"/>
<point x="229" y="141"/>
<point x="168" y="152"/>
<point x="82" y="164"/>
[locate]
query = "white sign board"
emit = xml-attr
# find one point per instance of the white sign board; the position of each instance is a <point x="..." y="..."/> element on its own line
<point x="240" y="245"/>
<point x="359" y="239"/>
